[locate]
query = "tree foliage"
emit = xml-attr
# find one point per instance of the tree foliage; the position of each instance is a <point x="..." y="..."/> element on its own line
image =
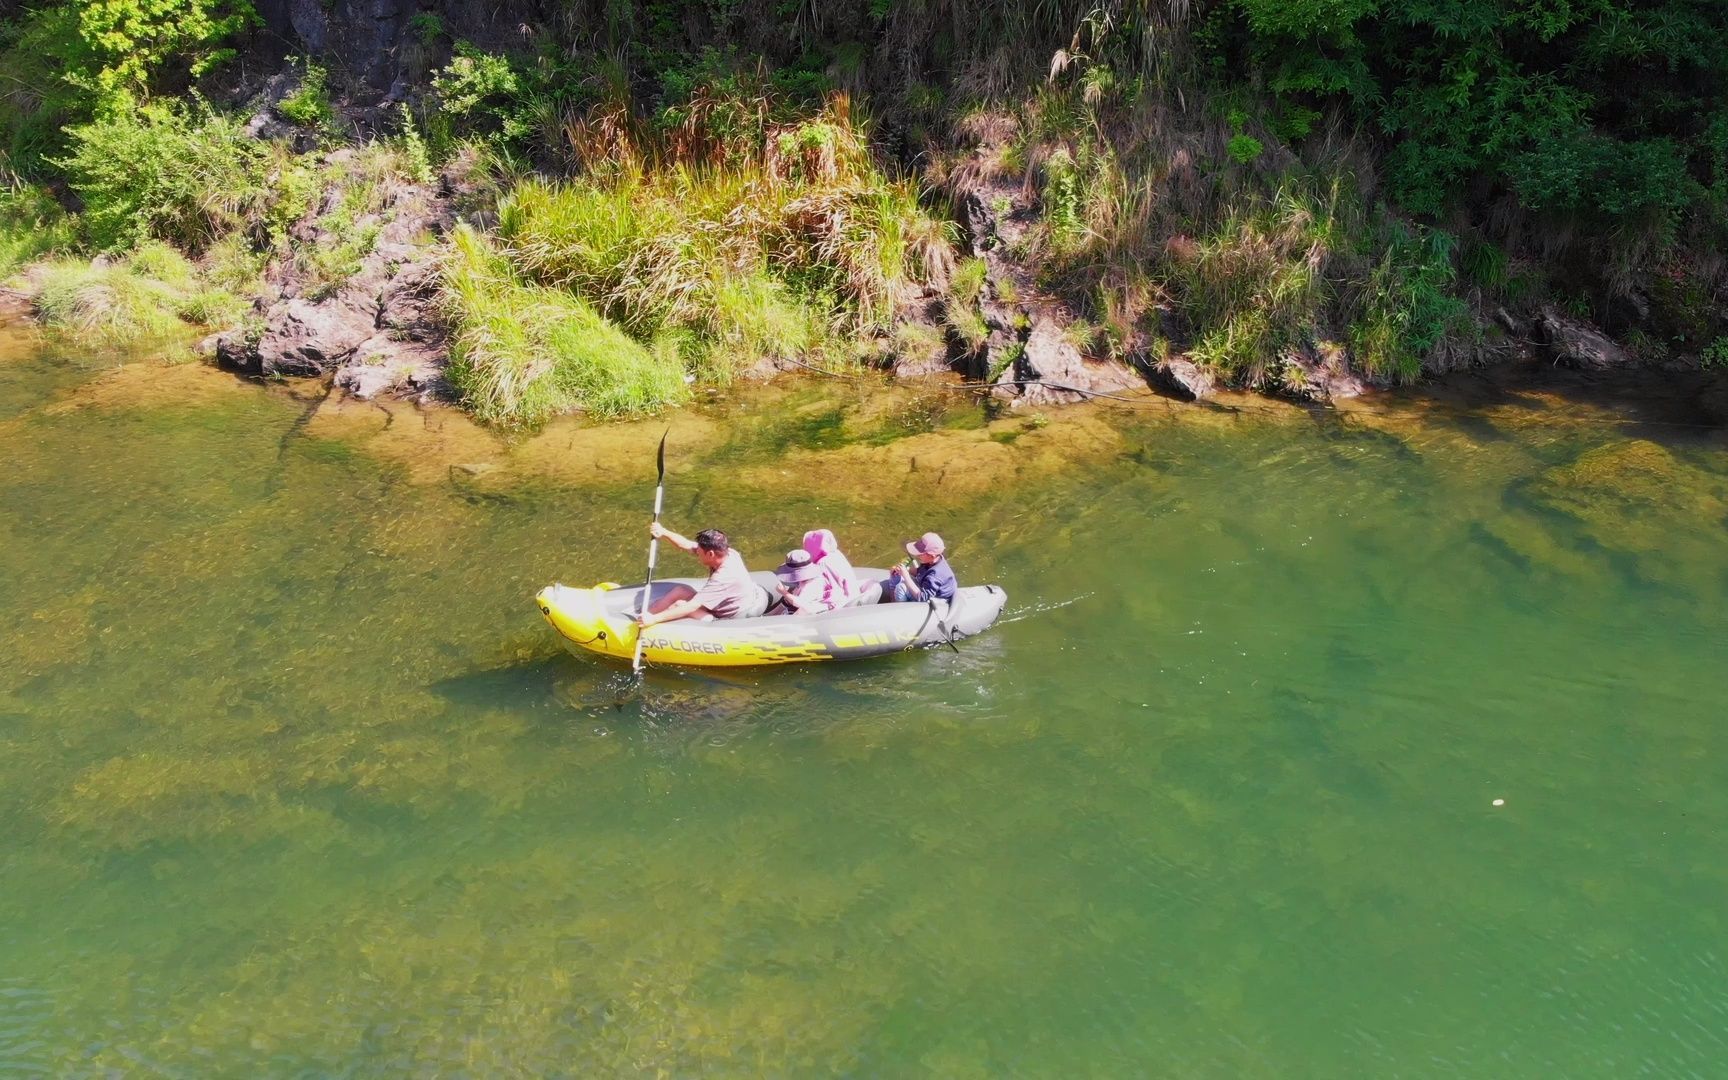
<point x="1606" y="112"/>
<point x="119" y="48"/>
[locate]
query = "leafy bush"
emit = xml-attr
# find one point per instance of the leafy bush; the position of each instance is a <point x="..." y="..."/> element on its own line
<point x="522" y="353"/>
<point x="31" y="225"/>
<point x="166" y="173"/>
<point x="309" y="104"/>
<point x="1597" y="113"/>
<point x="1243" y="148"/>
<point x="478" y="85"/>
<point x="116" y="49"/>
<point x="416" y="155"/>
<point x="1062" y="209"/>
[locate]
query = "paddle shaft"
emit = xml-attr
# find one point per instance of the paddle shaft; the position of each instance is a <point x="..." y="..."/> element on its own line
<point x="653" y="553"/>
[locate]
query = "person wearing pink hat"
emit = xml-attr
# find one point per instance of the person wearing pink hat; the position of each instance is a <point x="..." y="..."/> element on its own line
<point x="929" y="577"/>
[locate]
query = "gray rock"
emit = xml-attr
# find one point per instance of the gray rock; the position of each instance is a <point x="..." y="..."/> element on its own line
<point x="1049" y="370"/>
<point x="1182" y="377"/>
<point x="1576" y="344"/>
<point x="1321" y="374"/>
<point x="306" y="338"/>
<point x="407" y="303"/>
<point x="381" y="365"/>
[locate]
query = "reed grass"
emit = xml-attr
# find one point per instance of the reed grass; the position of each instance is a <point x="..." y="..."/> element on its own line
<point x="31" y="225"/>
<point x="152" y="297"/>
<point x="708" y="256"/>
<point x="522" y="352"/>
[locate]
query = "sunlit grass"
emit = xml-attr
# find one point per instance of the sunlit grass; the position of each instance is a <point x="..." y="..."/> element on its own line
<point x="149" y="297"/>
<point x="523" y="352"/>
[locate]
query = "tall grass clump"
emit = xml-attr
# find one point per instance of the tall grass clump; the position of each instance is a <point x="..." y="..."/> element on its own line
<point x="1406" y="307"/>
<point x="1256" y="287"/>
<point x="780" y="242"/>
<point x="31" y="225"/>
<point x="152" y="297"/>
<point x="1162" y="227"/>
<point x="524" y="352"/>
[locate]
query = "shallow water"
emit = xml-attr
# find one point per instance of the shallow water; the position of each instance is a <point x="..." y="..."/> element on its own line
<point x="293" y="780"/>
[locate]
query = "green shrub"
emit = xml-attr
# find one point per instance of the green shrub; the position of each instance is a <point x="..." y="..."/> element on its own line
<point x="416" y="156"/>
<point x="967" y="283"/>
<point x="165" y="173"/>
<point x="967" y="325"/>
<point x="1062" y="206"/>
<point x="522" y="353"/>
<point x="1715" y="354"/>
<point x="309" y="104"/>
<point x="1407" y="305"/>
<point x="31" y="225"/>
<point x="117" y="49"/>
<point x="1243" y="148"/>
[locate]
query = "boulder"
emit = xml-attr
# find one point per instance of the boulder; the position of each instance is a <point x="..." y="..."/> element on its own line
<point x="1320" y="374"/>
<point x="306" y="338"/>
<point x="382" y="365"/>
<point x="1182" y="377"/>
<point x="1049" y="370"/>
<point x="407" y="304"/>
<point x="1576" y="344"/>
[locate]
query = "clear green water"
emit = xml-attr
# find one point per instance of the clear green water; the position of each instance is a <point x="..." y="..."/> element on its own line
<point x="293" y="781"/>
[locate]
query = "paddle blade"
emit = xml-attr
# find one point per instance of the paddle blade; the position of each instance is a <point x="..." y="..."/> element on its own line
<point x="660" y="458"/>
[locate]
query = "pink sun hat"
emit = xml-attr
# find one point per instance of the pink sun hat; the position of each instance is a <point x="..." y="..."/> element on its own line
<point x="928" y="544"/>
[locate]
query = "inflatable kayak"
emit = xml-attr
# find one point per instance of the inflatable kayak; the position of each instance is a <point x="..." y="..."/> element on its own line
<point x="603" y="620"/>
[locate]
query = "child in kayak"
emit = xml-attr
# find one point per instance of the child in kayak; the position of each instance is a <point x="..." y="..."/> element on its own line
<point x="727" y="594"/>
<point x="802" y="588"/>
<point x="837" y="572"/>
<point x="929" y="577"/>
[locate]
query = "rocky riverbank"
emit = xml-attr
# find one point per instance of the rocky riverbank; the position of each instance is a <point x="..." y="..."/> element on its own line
<point x="421" y="205"/>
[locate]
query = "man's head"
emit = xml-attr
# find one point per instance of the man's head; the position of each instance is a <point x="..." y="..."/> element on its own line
<point x="711" y="548"/>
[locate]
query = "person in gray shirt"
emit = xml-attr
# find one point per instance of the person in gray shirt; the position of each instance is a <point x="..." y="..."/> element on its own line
<point x="727" y="594"/>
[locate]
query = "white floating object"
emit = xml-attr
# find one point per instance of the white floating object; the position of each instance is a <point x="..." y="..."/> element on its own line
<point x="1499" y="802"/>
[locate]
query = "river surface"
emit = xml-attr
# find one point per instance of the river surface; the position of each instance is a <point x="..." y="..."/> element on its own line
<point x="1380" y="743"/>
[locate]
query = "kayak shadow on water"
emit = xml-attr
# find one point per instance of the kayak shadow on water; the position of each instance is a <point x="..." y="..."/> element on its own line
<point x="784" y="700"/>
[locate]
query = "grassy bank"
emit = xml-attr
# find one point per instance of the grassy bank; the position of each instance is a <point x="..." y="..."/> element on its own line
<point x="672" y="193"/>
<point x="686" y="257"/>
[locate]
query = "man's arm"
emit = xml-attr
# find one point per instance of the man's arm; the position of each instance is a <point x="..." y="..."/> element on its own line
<point x="681" y="610"/>
<point x="661" y="532"/>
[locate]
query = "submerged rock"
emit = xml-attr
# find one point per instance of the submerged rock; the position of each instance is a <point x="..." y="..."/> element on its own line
<point x="1640" y="501"/>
